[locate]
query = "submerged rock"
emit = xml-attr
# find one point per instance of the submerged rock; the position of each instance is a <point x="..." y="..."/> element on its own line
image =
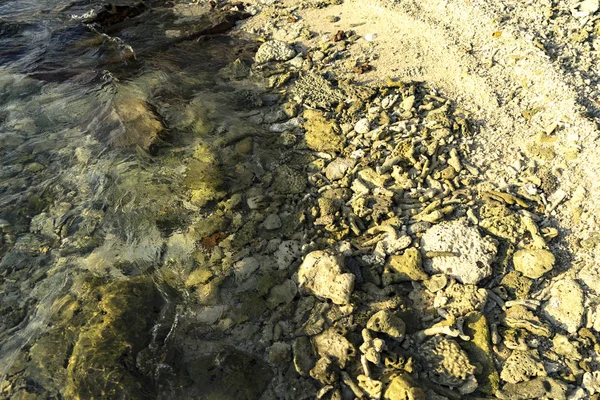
<point x="460" y="251"/>
<point x="321" y="274"/>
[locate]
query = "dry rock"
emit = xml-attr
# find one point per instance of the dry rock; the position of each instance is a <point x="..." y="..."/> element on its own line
<point x="537" y="388"/>
<point x="403" y="387"/>
<point x="565" y="306"/>
<point x="321" y="274"/>
<point x="408" y="266"/>
<point x="533" y="263"/>
<point x="521" y="366"/>
<point x="335" y="346"/>
<point x="472" y="254"/>
<point x="338" y="168"/>
<point x="274" y="50"/>
<point x="446" y="363"/>
<point x="459" y="300"/>
<point x="385" y="321"/>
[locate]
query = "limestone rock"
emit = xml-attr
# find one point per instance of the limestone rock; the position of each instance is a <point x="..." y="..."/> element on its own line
<point x="472" y="255"/>
<point x="279" y="353"/>
<point x="322" y="134"/>
<point x="385" y="321"/>
<point x="403" y="387"/>
<point x="338" y="168"/>
<point x="335" y="346"/>
<point x="537" y="388"/>
<point x="458" y="300"/>
<point x="372" y="387"/>
<point x="362" y="126"/>
<point x="565" y="306"/>
<point x="274" y="50"/>
<point x="282" y="294"/>
<point x="408" y="266"/>
<point x="480" y="352"/>
<point x="446" y="363"/>
<point x="521" y="366"/>
<point x="321" y="274"/>
<point x="591" y="382"/>
<point x="533" y="263"/>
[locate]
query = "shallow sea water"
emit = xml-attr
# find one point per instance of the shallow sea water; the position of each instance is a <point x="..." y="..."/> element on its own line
<point x="117" y="140"/>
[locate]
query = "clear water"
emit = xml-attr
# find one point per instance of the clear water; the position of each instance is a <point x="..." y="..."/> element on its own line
<point x="99" y="129"/>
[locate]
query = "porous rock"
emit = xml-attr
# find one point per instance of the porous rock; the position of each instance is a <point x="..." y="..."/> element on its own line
<point x="385" y="321"/>
<point x="537" y="388"/>
<point x="469" y="256"/>
<point x="447" y="364"/>
<point x="321" y="274"/>
<point x="521" y="366"/>
<point x="408" y="266"/>
<point x="274" y="50"/>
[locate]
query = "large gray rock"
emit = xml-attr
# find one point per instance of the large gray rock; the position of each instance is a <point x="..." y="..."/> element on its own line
<point x="459" y="251"/>
<point x="274" y="50"/>
<point x="321" y="274"/>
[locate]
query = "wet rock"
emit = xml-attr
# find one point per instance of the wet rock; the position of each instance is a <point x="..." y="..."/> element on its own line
<point x="469" y="256"/>
<point x="282" y="294"/>
<point x="229" y="374"/>
<point x="337" y="169"/>
<point x="205" y="180"/>
<point x="235" y="71"/>
<point x="303" y="355"/>
<point x="565" y="306"/>
<point x="274" y="50"/>
<point x="280" y="353"/>
<point x="521" y="366"/>
<point x="537" y="388"/>
<point x="287" y="252"/>
<point x="408" y="266"/>
<point x="403" y="387"/>
<point x="245" y="267"/>
<point x="334" y="345"/>
<point x="272" y="222"/>
<point x="322" y="134"/>
<point x="533" y="263"/>
<point x="385" y="321"/>
<point x="289" y="181"/>
<point x="323" y="371"/>
<point x="479" y="350"/>
<point x="447" y="364"/>
<point x="110" y="340"/>
<point x="321" y="274"/>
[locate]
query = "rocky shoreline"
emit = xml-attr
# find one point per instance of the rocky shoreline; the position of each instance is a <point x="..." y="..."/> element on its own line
<point x="324" y="239"/>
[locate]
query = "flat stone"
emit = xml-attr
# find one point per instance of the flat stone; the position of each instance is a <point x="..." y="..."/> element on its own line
<point x="245" y="267"/>
<point x="533" y="263"/>
<point x="282" y="294"/>
<point x="274" y="50"/>
<point x="321" y="274"/>
<point x="565" y="306"/>
<point x="470" y="255"/>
